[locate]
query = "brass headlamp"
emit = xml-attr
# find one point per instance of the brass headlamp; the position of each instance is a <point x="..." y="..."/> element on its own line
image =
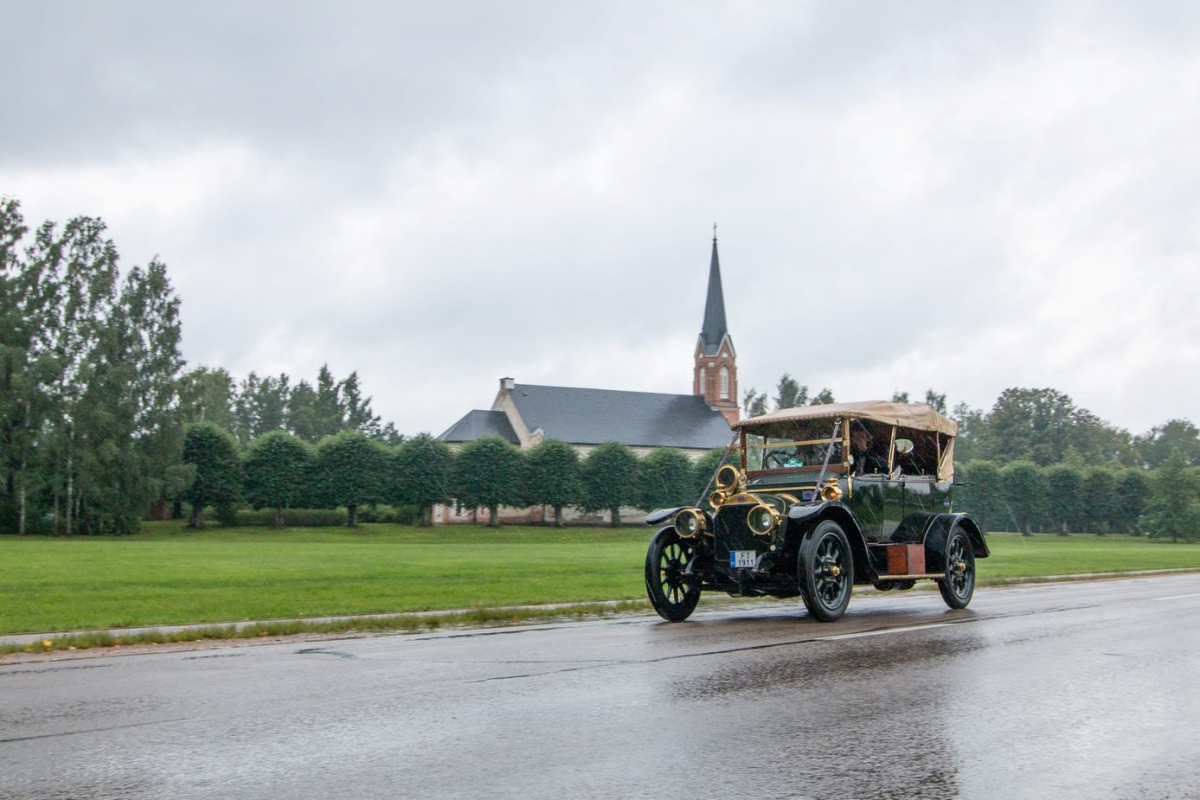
<point x="730" y="481"/>
<point x="689" y="523"/>
<point x="763" y="519"/>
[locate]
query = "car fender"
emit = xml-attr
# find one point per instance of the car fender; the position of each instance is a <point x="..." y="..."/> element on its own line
<point x="864" y="571"/>
<point x="937" y="533"/>
<point x="655" y="517"/>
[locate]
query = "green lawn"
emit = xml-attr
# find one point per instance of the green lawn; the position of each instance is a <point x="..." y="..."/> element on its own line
<point x="166" y="575"/>
<point x="1015" y="556"/>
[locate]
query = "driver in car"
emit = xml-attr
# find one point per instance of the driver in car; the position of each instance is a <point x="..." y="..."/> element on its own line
<point x="866" y="459"/>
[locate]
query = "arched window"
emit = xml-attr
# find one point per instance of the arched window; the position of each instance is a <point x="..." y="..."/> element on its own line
<point x="724" y="383"/>
<point x="703" y="385"/>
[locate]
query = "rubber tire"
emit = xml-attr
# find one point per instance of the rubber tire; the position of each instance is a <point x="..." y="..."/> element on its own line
<point x="827" y="534"/>
<point x="960" y="597"/>
<point x="660" y="551"/>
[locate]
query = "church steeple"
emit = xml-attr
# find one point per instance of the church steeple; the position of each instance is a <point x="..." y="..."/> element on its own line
<point x="715" y="374"/>
<point x="714" y="329"/>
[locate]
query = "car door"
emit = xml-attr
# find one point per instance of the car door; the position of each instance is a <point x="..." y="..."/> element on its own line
<point x="867" y="503"/>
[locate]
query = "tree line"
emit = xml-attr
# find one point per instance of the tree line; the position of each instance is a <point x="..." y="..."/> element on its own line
<point x="259" y="405"/>
<point x="1043" y="426"/>
<point x="280" y="471"/>
<point x="1065" y="498"/>
<point x="93" y="392"/>
<point x="95" y="402"/>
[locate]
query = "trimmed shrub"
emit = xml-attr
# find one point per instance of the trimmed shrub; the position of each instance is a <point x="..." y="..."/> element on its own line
<point x="610" y="480"/>
<point x="489" y="473"/>
<point x="665" y="479"/>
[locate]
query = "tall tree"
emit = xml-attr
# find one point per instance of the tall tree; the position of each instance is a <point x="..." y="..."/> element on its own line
<point x="278" y="469"/>
<point x="356" y="411"/>
<point x="302" y="412"/>
<point x="23" y="402"/>
<point x="823" y="397"/>
<point x="89" y="366"/>
<point x="423" y="472"/>
<point x="327" y="405"/>
<point x="129" y="421"/>
<point x="610" y="480"/>
<point x="754" y="402"/>
<point x="936" y="400"/>
<point x="1173" y="509"/>
<point x="970" y="423"/>
<point x="75" y="290"/>
<point x="1042" y="425"/>
<point x="789" y="393"/>
<point x="488" y="474"/>
<point x="212" y="451"/>
<point x="350" y="469"/>
<point x="207" y="395"/>
<point x="261" y="406"/>
<point x="1156" y="446"/>
<point x="555" y="476"/>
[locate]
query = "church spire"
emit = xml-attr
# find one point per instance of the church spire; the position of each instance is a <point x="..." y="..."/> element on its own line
<point x="714" y="329"/>
<point x="715" y="372"/>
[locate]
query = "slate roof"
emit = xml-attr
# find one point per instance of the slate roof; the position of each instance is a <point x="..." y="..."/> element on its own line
<point x="478" y="424"/>
<point x="638" y="419"/>
<point x="714" y="329"/>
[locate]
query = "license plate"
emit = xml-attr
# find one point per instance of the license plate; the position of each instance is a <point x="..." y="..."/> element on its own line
<point x="742" y="559"/>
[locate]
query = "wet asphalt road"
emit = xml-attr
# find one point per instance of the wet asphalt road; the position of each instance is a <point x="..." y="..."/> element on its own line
<point x="1058" y="691"/>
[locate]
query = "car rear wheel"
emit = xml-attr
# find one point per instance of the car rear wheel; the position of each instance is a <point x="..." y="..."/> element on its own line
<point x="959" y="583"/>
<point x="826" y="572"/>
<point x="673" y="592"/>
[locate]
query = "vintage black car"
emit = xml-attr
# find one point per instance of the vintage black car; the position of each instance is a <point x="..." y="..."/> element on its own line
<point x="817" y="499"/>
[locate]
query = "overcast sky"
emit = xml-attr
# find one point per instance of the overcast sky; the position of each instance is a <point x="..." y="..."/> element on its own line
<point x="962" y="196"/>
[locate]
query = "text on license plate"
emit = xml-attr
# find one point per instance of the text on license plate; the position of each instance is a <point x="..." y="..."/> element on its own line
<point x="741" y="559"/>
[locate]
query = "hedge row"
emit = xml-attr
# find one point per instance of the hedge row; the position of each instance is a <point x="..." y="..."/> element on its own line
<point x="1062" y="499"/>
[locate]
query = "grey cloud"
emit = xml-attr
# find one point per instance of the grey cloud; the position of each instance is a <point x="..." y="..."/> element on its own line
<point x="459" y="191"/>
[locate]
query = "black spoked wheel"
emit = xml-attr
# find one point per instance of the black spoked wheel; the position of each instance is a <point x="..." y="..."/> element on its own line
<point x="959" y="583"/>
<point x="673" y="593"/>
<point x="826" y="572"/>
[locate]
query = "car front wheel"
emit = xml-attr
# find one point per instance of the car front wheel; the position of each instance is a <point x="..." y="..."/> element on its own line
<point x="959" y="583"/>
<point x="673" y="591"/>
<point x="826" y="572"/>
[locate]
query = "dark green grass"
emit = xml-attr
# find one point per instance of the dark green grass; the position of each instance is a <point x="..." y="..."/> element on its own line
<point x="166" y="575"/>
<point x="170" y="576"/>
<point x="1015" y="557"/>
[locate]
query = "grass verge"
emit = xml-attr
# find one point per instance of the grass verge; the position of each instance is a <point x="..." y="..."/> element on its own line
<point x="419" y="623"/>
<point x="167" y="576"/>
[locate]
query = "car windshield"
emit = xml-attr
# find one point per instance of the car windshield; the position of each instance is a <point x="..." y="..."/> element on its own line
<point x="809" y="446"/>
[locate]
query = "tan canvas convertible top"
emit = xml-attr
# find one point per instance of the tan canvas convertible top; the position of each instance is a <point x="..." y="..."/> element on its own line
<point x="917" y="416"/>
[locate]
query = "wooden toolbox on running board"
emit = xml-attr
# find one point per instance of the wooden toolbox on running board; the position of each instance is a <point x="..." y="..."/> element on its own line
<point x="906" y="559"/>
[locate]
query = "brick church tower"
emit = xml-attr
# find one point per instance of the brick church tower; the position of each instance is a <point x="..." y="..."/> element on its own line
<point x="715" y="373"/>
